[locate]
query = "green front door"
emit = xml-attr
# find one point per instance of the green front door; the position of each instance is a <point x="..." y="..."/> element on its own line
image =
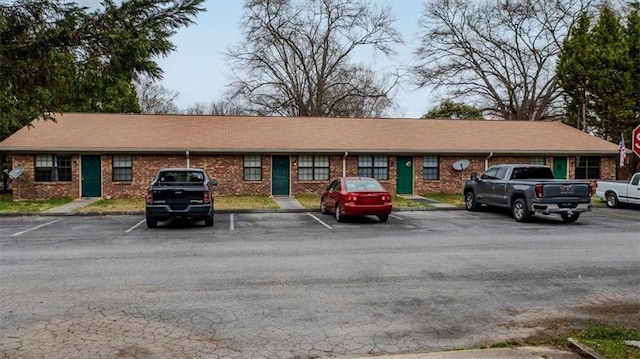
<point x="91" y="177"/>
<point x="560" y="167"/>
<point x="280" y="175"/>
<point x="404" y="175"/>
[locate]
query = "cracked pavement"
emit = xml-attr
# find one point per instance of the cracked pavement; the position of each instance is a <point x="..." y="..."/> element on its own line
<point x="283" y="286"/>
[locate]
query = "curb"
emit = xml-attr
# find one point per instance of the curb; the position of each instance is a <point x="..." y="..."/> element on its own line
<point x="584" y="350"/>
<point x="276" y="210"/>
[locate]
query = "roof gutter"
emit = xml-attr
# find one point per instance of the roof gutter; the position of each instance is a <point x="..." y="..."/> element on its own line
<point x="486" y="161"/>
<point x="443" y="152"/>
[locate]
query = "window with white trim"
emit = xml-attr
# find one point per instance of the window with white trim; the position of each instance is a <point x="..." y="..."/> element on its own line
<point x="430" y="168"/>
<point x="122" y="168"/>
<point x="588" y="167"/>
<point x="52" y="168"/>
<point x="373" y="166"/>
<point x="253" y="168"/>
<point x="538" y="160"/>
<point x="313" y="168"/>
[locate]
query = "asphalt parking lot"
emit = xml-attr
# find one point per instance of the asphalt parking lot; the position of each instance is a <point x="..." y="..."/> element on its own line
<point x="301" y="285"/>
<point x="314" y="221"/>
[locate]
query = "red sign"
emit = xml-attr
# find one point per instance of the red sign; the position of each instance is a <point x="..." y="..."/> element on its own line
<point x="635" y="142"/>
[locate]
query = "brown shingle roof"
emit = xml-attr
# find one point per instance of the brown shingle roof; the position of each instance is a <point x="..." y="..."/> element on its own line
<point x="80" y="132"/>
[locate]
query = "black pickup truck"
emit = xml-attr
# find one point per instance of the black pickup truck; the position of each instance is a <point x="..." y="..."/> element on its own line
<point x="527" y="190"/>
<point x="180" y="193"/>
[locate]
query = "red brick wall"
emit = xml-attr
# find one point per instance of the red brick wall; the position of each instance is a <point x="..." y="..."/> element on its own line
<point x="30" y="189"/>
<point x="229" y="171"/>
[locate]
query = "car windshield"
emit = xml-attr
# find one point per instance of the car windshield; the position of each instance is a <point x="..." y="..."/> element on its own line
<point x="181" y="177"/>
<point x="360" y="185"/>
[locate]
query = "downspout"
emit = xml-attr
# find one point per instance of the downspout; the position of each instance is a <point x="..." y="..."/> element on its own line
<point x="486" y="161"/>
<point x="188" y="159"/>
<point x="344" y="163"/>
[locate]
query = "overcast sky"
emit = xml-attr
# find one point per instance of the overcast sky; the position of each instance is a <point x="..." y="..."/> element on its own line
<point x="198" y="71"/>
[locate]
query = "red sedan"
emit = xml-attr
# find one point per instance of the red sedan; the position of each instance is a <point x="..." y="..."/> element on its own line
<point x="356" y="196"/>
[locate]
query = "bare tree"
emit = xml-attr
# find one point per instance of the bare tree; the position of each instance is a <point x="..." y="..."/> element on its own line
<point x="498" y="53"/>
<point x="222" y="108"/>
<point x="154" y="98"/>
<point x="295" y="58"/>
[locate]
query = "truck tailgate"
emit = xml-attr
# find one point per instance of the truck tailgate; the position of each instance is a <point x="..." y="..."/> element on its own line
<point x="178" y="197"/>
<point x="566" y="191"/>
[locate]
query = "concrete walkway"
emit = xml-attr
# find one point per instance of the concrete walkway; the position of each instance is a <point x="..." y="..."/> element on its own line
<point x="288" y="202"/>
<point x="429" y="201"/>
<point x="540" y="352"/>
<point x="69" y="208"/>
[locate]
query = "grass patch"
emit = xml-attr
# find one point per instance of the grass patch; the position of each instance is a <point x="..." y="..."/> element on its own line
<point x="245" y="202"/>
<point x="114" y="205"/>
<point x="455" y="199"/>
<point x="608" y="340"/>
<point x="221" y="202"/>
<point x="309" y="201"/>
<point x="7" y="205"/>
<point x="407" y="203"/>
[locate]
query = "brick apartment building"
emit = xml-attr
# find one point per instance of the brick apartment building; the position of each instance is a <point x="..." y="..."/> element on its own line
<point x="117" y="155"/>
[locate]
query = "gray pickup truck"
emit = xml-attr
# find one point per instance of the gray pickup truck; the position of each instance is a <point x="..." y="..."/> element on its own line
<point x="180" y="193"/>
<point x="527" y="190"/>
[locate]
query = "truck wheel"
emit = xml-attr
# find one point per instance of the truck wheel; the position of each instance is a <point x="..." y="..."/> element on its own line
<point x="612" y="200"/>
<point x="208" y="222"/>
<point x="152" y="223"/>
<point x="470" y="201"/>
<point x="520" y="211"/>
<point x="569" y="218"/>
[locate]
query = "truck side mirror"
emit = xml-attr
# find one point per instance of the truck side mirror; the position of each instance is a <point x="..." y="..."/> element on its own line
<point x="213" y="182"/>
<point x="474" y="176"/>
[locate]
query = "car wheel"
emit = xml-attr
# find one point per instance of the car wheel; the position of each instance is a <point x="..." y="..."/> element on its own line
<point x="208" y="222"/>
<point x="339" y="216"/>
<point x="470" y="201"/>
<point x="383" y="218"/>
<point x="323" y="207"/>
<point x="612" y="200"/>
<point x="520" y="211"/>
<point x="152" y="223"/>
<point x="569" y="217"/>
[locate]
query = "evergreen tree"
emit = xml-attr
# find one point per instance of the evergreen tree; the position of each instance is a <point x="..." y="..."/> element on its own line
<point x="599" y="72"/>
<point x="572" y="72"/>
<point x="56" y="56"/>
<point x="611" y="75"/>
<point x="454" y="110"/>
<point x="632" y="32"/>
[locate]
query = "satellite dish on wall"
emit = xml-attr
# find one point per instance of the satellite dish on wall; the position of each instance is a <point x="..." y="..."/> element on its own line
<point x="461" y="165"/>
<point x="16" y="172"/>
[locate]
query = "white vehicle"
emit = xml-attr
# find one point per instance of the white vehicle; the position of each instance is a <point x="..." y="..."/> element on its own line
<point x="616" y="192"/>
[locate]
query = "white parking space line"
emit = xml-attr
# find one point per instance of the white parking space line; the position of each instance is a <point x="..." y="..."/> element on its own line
<point x="135" y="226"/>
<point x="319" y="220"/>
<point x="36" y="227"/>
<point x="396" y="217"/>
<point x="232" y="225"/>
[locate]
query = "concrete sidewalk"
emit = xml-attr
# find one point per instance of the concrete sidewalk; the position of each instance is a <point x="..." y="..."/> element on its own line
<point x="501" y="353"/>
<point x="288" y="203"/>
<point x="429" y="201"/>
<point x="69" y="208"/>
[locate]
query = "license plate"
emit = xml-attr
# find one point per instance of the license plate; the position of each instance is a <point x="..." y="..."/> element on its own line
<point x="567" y="205"/>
